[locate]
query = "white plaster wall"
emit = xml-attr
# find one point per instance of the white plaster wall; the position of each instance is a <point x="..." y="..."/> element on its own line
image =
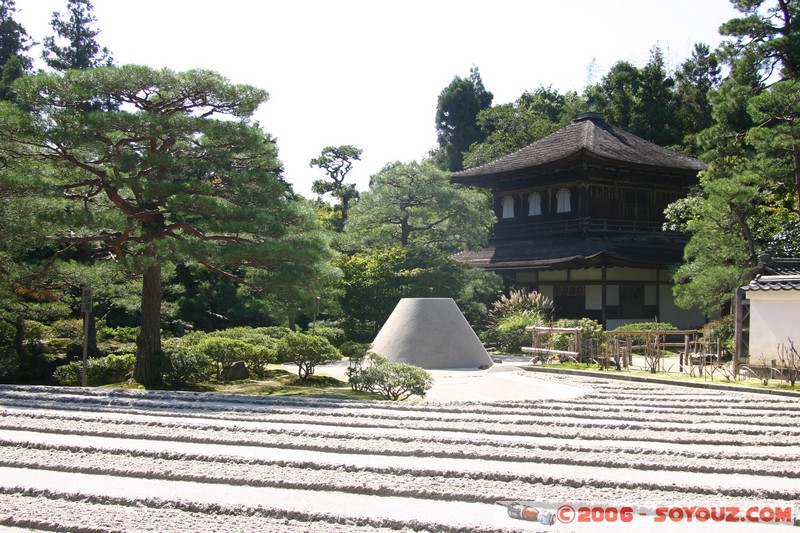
<point x="774" y="319"/>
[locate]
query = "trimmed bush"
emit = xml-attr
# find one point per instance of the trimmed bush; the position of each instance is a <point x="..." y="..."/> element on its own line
<point x="118" y="333"/>
<point x="306" y="351"/>
<point x="262" y="344"/>
<point x="68" y="328"/>
<point x="182" y="366"/>
<point x="99" y="370"/>
<point x="336" y="336"/>
<point x="224" y="352"/>
<point x="397" y="381"/>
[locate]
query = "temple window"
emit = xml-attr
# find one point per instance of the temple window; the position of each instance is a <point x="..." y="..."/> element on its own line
<point x="534" y="204"/>
<point x="508" y="207"/>
<point x="563" y="203"/>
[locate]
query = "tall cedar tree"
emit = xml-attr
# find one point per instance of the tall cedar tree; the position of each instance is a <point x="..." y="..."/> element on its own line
<point x="14" y="43"/>
<point x="177" y="172"/>
<point x="80" y="49"/>
<point x="456" y="118"/>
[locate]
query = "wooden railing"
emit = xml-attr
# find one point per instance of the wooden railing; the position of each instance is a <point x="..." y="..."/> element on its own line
<point x="512" y="229"/>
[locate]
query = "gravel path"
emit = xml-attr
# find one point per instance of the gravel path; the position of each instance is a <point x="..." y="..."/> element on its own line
<point x="89" y="460"/>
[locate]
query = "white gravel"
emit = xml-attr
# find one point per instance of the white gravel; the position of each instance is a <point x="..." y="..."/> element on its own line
<point x="111" y="460"/>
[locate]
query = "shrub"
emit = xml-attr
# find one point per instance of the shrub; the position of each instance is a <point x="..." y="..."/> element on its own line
<point x="36" y="331"/>
<point x="646" y="326"/>
<point x="723" y="329"/>
<point x="68" y="328"/>
<point x="509" y="335"/>
<point x="262" y="345"/>
<point x="182" y="366"/>
<point x="306" y="351"/>
<point x="335" y="336"/>
<point x="118" y="333"/>
<point x="223" y="352"/>
<point x="397" y="381"/>
<point x="9" y="364"/>
<point x="357" y="353"/>
<point x="99" y="370"/>
<point x="276" y="332"/>
<point x="593" y="336"/>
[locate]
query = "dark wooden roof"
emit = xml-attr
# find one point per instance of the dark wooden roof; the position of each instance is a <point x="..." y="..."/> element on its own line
<point x="580" y="251"/>
<point x="590" y="136"/>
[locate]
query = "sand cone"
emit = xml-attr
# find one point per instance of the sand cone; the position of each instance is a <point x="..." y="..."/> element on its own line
<point x="430" y="333"/>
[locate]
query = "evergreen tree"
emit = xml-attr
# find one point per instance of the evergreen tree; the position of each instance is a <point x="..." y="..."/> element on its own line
<point x="747" y="202"/>
<point x="80" y="49"/>
<point x="14" y="43"/>
<point x="165" y="177"/>
<point x="414" y="203"/>
<point x="456" y="118"/>
<point x="696" y="78"/>
<point x="337" y="161"/>
<point x="509" y="127"/>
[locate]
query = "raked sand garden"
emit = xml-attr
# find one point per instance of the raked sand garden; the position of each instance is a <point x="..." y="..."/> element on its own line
<point x="86" y="460"/>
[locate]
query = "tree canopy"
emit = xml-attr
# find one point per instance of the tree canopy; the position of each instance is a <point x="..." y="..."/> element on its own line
<point x="74" y="45"/>
<point x="747" y="202"/>
<point x="337" y="162"/>
<point x="456" y="112"/>
<point x="414" y="203"/>
<point x="14" y="45"/>
<point x="176" y="172"/>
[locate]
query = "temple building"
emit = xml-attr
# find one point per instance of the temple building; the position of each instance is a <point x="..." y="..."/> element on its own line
<point x="580" y="215"/>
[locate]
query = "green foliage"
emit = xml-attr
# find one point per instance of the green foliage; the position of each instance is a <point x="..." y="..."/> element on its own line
<point x="722" y="329"/>
<point x="593" y="336"/>
<point x="14" y="43"/>
<point x="456" y="118"/>
<point x="223" y="352"/>
<point x="112" y="368"/>
<point x="509" y="127"/>
<point x="183" y="366"/>
<point x="334" y="335"/>
<point x="80" y="49"/>
<point x="262" y="345"/>
<point x="511" y="314"/>
<point x="358" y="355"/>
<point x="646" y="326"/>
<point x="376" y="280"/>
<point x="118" y="333"/>
<point x="415" y="204"/>
<point x="68" y="328"/>
<point x="35" y="331"/>
<point x="520" y="302"/>
<point x="164" y="176"/>
<point x="306" y="351"/>
<point x="508" y="333"/>
<point x="9" y="364"/>
<point x="396" y="381"/>
<point x="337" y="161"/>
<point x="641" y="101"/>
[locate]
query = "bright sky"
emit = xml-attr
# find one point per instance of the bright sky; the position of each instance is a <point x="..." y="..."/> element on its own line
<point x="368" y="72"/>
